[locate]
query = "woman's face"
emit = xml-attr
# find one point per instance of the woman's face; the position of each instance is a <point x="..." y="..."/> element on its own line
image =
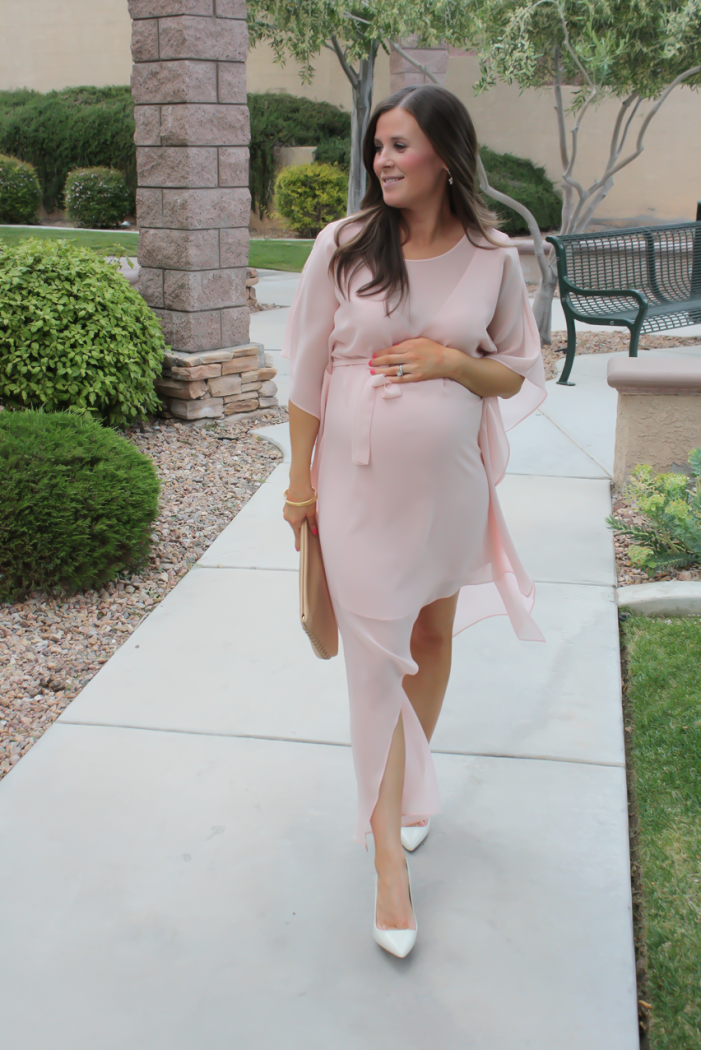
<point x="409" y="169"/>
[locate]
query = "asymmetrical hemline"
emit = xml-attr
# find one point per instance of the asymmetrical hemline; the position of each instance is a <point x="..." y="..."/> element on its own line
<point x="407" y="475"/>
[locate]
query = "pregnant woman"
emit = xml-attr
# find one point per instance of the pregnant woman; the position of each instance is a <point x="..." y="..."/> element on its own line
<point x="412" y="348"/>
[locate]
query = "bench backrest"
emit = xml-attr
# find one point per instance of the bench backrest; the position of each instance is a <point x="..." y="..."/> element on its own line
<point x="662" y="262"/>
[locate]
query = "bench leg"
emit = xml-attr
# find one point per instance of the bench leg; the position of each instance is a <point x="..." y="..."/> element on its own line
<point x="634" y="339"/>
<point x="571" y="347"/>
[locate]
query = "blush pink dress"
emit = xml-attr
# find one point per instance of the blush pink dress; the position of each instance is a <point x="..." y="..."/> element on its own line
<point x="407" y="475"/>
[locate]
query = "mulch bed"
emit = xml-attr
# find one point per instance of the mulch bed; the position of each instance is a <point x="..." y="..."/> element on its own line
<point x="50" y="647"/>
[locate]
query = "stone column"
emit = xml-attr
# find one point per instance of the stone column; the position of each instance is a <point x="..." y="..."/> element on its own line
<point x="403" y="74"/>
<point x="193" y="204"/>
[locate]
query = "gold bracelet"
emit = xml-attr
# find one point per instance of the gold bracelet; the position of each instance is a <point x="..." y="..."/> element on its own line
<point x="306" y="503"/>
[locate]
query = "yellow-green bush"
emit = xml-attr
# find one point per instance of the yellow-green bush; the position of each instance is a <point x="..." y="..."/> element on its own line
<point x="75" y="334"/>
<point x="309" y="196"/>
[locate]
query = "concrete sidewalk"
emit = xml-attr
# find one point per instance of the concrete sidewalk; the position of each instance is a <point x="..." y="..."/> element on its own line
<point x="175" y="851"/>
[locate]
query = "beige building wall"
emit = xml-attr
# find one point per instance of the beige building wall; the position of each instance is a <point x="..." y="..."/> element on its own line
<point x="47" y="44"/>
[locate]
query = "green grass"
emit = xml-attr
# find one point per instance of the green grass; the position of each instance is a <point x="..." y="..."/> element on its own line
<point x="101" y="241"/>
<point x="664" y="709"/>
<point x="279" y="255"/>
<point x="264" y="254"/>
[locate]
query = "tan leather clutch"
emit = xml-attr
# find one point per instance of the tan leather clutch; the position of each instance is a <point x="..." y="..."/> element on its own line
<point x="315" y="608"/>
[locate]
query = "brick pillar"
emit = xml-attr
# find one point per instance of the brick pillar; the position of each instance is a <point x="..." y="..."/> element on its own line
<point x="403" y="74"/>
<point x="193" y="204"/>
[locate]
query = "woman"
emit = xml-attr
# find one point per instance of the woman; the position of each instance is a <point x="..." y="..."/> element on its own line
<point x="410" y="322"/>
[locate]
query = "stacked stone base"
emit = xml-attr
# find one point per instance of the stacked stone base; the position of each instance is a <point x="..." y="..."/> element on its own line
<point x="211" y="384"/>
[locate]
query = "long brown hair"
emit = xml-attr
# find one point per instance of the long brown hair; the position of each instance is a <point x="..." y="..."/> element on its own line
<point x="448" y="126"/>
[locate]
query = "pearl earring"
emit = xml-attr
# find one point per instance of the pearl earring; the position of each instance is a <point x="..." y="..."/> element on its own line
<point x="450" y="178"/>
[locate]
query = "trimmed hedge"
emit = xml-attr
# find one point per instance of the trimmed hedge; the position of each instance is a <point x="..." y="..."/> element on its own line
<point x="75" y="334"/>
<point x="20" y="192"/>
<point x="94" y="127"/>
<point x="527" y="183"/>
<point x="309" y="196"/>
<point x="286" y="120"/>
<point x="77" y="503"/>
<point x="97" y="198"/>
<point x="73" y="128"/>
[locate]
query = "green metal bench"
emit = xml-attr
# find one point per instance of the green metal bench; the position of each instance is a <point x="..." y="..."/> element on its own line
<point x="647" y="279"/>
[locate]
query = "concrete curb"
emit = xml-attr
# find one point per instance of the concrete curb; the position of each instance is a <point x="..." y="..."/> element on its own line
<point x="671" y="598"/>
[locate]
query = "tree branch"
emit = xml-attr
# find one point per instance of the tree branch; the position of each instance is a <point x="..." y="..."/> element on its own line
<point x="646" y="123"/>
<point x="560" y="109"/>
<point x="347" y="69"/>
<point x="417" y="65"/>
<point x="628" y="124"/>
<point x="503" y="198"/>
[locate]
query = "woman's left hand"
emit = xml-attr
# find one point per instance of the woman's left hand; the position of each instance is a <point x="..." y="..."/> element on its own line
<point x="420" y="359"/>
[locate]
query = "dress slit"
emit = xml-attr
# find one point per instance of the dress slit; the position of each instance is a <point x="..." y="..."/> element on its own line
<point x="378" y="656"/>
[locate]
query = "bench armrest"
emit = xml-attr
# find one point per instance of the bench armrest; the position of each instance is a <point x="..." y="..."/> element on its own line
<point x="604" y="293"/>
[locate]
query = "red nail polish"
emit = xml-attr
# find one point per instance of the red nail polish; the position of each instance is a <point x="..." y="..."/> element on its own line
<point x="315" y="532"/>
<point x="372" y="371"/>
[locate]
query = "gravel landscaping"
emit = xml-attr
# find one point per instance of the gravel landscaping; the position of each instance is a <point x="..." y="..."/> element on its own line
<point x="605" y="342"/>
<point x="50" y="647"/>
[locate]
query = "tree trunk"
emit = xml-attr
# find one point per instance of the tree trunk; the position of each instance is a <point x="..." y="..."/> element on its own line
<point x="360" y="116"/>
<point x="543" y="305"/>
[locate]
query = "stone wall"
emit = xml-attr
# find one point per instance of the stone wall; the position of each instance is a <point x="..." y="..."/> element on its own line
<point x="193" y="203"/>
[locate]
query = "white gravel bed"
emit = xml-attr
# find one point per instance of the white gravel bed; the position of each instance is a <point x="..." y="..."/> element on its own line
<point x="50" y="647"/>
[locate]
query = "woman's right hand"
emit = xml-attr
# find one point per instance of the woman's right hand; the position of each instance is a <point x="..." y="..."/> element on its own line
<point x="295" y="516"/>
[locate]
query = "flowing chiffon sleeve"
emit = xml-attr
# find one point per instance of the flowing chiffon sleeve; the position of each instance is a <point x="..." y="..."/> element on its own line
<point x="514" y="335"/>
<point x="307" y="341"/>
<point x="513" y="340"/>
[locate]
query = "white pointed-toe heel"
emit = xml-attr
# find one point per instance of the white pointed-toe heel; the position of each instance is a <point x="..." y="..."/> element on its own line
<point x="396" y="942"/>
<point x="412" y="837"/>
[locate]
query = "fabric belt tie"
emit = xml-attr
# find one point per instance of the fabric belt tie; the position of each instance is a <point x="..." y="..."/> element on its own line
<point x="364" y="408"/>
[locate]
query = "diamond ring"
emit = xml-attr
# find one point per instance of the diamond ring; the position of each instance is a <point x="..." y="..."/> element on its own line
<point x="400" y="371"/>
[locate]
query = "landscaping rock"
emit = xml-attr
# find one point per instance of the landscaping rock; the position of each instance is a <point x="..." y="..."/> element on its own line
<point x="50" y="648"/>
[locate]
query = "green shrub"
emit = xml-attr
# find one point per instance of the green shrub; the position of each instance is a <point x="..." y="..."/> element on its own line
<point x="74" y="128"/>
<point x="286" y="120"/>
<point x="528" y="184"/>
<point x="74" y="333"/>
<point x="309" y="196"/>
<point x="97" y="198"/>
<point x="20" y="192"/>
<point x="671" y="507"/>
<point x="76" y="504"/>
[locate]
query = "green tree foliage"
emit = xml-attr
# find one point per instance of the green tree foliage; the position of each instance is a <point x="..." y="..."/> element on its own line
<point x="72" y="128"/>
<point x="77" y="503"/>
<point x="97" y="198"/>
<point x="20" y="192"/>
<point x="286" y="120"/>
<point x="75" y="334"/>
<point x="671" y="507"/>
<point x="629" y="50"/>
<point x="309" y="196"/>
<point x="355" y="33"/>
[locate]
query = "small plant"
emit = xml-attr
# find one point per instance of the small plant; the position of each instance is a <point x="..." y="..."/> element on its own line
<point x="77" y="503"/>
<point x="671" y="505"/>
<point x="20" y="192"/>
<point x="309" y="196"/>
<point x="75" y="334"/>
<point x="97" y="198"/>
